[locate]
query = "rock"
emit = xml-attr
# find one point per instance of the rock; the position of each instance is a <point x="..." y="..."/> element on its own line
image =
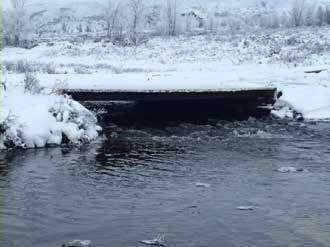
<point x="78" y="243"/>
<point x="202" y="185"/>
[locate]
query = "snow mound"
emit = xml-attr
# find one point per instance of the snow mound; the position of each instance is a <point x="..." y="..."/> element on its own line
<point x="37" y="120"/>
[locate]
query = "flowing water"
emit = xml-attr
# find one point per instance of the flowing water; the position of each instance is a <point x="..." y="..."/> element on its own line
<point x="141" y="182"/>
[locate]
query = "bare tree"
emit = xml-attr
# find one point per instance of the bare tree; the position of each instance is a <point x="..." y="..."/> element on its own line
<point x="171" y="16"/>
<point x="38" y="23"/>
<point x="320" y="16"/>
<point x="310" y="16"/>
<point x="111" y="17"/>
<point x="136" y="8"/>
<point x="327" y="15"/>
<point x="297" y="13"/>
<point x="211" y="22"/>
<point x="18" y="4"/>
<point x="18" y="21"/>
<point x="154" y="17"/>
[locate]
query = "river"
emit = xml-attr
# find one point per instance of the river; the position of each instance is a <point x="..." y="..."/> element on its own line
<point x="140" y="181"/>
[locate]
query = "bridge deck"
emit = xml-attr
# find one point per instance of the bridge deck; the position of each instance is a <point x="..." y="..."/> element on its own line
<point x="164" y="105"/>
<point x="264" y="96"/>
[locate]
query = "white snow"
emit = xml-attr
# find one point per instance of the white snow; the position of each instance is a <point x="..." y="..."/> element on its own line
<point x="308" y="94"/>
<point x="202" y="185"/>
<point x="178" y="81"/>
<point x="196" y="63"/>
<point x="158" y="241"/>
<point x="36" y="120"/>
<point x="184" y="63"/>
<point x="78" y="243"/>
<point x="290" y="169"/>
<point x="245" y="208"/>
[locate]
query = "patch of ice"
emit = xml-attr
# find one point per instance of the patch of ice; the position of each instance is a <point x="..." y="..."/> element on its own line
<point x="284" y="112"/>
<point x="158" y="241"/>
<point x="78" y="243"/>
<point x="246" y="208"/>
<point x="283" y="109"/>
<point x="202" y="185"/>
<point x="289" y="169"/>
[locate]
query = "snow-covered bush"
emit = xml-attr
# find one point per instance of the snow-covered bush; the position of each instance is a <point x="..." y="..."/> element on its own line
<point x="32" y="84"/>
<point x="10" y="132"/>
<point x="22" y="66"/>
<point x="19" y="66"/>
<point x="81" y="69"/>
<point x="77" y="123"/>
<point x="31" y="118"/>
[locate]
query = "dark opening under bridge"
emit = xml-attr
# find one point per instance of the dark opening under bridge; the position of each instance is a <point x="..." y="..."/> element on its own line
<point x="178" y="105"/>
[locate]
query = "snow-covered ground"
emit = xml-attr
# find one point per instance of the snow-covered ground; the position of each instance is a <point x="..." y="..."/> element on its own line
<point x="205" y="62"/>
<point x="199" y="63"/>
<point x="38" y="119"/>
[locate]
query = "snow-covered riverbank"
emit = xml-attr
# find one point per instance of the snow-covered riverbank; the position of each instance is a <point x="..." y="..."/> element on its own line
<point x="206" y="62"/>
<point x="42" y="119"/>
<point x="203" y="62"/>
<point x="304" y="93"/>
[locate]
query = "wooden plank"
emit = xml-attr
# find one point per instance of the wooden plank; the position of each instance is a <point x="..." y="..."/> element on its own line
<point x="266" y="96"/>
<point x="130" y="106"/>
<point x="315" y="71"/>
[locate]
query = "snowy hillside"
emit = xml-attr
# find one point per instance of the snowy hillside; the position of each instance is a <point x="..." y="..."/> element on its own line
<point x="50" y="20"/>
<point x="278" y="59"/>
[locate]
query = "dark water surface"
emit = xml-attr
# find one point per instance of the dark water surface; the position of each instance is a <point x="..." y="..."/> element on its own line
<point x="141" y="182"/>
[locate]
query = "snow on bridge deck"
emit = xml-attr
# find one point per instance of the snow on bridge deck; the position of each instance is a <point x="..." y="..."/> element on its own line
<point x="177" y="94"/>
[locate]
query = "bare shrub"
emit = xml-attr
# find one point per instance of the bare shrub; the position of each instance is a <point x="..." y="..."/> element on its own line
<point x="111" y="17"/>
<point x="320" y="16"/>
<point x="297" y="13"/>
<point x="136" y="8"/>
<point x="58" y="86"/>
<point x="32" y="84"/>
<point x="49" y="69"/>
<point x="327" y="15"/>
<point x="171" y="16"/>
<point x="81" y="69"/>
<point x="22" y="66"/>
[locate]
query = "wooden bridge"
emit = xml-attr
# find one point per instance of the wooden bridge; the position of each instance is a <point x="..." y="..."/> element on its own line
<point x="160" y="105"/>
